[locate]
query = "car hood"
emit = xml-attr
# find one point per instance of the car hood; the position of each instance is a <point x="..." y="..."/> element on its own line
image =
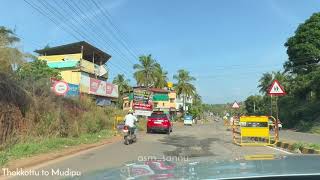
<point x="204" y="169"/>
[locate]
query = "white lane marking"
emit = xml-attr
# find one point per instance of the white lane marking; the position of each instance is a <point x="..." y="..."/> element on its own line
<point x="279" y="150"/>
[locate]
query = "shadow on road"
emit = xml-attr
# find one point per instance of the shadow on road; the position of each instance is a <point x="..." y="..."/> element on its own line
<point x="188" y="146"/>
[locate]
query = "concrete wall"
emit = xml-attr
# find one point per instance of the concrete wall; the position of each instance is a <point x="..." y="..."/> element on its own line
<point x="71" y="76"/>
<point x="60" y="57"/>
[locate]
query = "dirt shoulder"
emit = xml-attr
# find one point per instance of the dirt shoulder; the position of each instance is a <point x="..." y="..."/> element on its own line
<point x="56" y="155"/>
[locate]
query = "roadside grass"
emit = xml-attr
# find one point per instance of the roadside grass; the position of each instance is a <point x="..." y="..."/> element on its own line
<point x="142" y="125"/>
<point x="315" y="128"/>
<point x="300" y="145"/>
<point x="33" y="146"/>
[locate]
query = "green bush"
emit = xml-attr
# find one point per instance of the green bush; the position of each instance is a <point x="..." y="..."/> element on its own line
<point x="296" y="146"/>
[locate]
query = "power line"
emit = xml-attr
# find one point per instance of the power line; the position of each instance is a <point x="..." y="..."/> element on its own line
<point x="101" y="34"/>
<point x="41" y="11"/>
<point x="87" y="30"/>
<point x="114" y="25"/>
<point x="122" y="42"/>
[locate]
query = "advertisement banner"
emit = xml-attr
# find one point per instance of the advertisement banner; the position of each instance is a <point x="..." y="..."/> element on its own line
<point x="73" y="90"/>
<point x="140" y="106"/>
<point x="142" y="113"/>
<point x="63" y="88"/>
<point x="98" y="87"/>
<point x="142" y="100"/>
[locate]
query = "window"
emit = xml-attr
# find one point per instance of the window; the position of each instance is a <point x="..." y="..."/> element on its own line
<point x="171" y="100"/>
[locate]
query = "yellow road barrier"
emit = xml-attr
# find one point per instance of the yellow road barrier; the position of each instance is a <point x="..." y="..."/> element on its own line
<point x="116" y="121"/>
<point x="254" y="131"/>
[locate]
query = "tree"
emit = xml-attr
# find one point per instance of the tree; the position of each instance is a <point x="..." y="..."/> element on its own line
<point x="123" y="86"/>
<point x="303" y="48"/>
<point x="257" y="105"/>
<point x="264" y="82"/>
<point x="9" y="55"/>
<point x="145" y="71"/>
<point x="7" y="37"/>
<point x="197" y="108"/>
<point x="160" y="77"/>
<point x="35" y="76"/>
<point x="37" y="70"/>
<point x="184" y="87"/>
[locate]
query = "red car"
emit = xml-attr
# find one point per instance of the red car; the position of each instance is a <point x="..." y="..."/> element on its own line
<point x="159" y="121"/>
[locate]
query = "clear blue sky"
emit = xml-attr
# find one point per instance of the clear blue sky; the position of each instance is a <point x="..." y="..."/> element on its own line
<point x="225" y="44"/>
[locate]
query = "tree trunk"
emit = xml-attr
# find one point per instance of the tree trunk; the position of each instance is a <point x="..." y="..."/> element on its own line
<point x="184" y="103"/>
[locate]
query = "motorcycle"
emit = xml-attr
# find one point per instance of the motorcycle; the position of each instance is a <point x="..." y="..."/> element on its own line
<point x="129" y="135"/>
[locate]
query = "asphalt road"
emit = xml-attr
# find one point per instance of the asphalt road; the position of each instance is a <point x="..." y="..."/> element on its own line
<point x="210" y="141"/>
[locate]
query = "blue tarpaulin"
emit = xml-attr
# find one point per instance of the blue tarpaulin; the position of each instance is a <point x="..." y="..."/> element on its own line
<point x="103" y="101"/>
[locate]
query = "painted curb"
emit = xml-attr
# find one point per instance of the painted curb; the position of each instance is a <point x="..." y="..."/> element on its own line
<point x="290" y="146"/>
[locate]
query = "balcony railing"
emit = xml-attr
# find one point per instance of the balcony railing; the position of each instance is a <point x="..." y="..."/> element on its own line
<point x="92" y="68"/>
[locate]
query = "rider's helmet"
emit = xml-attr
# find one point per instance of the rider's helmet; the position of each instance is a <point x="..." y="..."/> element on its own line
<point x="130" y="111"/>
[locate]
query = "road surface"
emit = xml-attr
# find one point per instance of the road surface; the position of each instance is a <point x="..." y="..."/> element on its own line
<point x="211" y="141"/>
<point x="292" y="136"/>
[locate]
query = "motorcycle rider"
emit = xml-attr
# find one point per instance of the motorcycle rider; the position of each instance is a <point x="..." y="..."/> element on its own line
<point x="130" y="121"/>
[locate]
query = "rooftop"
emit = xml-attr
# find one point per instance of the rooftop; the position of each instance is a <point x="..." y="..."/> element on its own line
<point x="159" y="90"/>
<point x="89" y="51"/>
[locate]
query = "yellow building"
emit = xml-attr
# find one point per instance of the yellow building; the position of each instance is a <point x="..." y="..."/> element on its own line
<point x="84" y="66"/>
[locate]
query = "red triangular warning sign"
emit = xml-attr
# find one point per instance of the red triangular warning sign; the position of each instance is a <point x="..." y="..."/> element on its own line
<point x="276" y="89"/>
<point x="235" y="105"/>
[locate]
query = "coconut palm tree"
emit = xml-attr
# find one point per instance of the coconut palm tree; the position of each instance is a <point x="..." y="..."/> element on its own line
<point x="184" y="87"/>
<point x="123" y="86"/>
<point x="145" y="71"/>
<point x="160" y="78"/>
<point x="264" y="82"/>
<point x="9" y="55"/>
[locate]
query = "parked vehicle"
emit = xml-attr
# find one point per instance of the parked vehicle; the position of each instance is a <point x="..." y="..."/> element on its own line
<point x="129" y="135"/>
<point x="160" y="122"/>
<point x="272" y="125"/>
<point x="187" y="120"/>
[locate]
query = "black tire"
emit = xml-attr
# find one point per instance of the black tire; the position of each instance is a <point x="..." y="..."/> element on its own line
<point x="126" y="141"/>
<point x="171" y="130"/>
<point x="148" y="131"/>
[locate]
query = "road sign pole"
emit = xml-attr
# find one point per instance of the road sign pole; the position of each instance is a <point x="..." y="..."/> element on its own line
<point x="277" y="108"/>
<point x="270" y="105"/>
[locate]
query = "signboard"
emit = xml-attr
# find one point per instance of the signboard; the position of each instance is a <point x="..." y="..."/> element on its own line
<point x="142" y="100"/>
<point x="73" y="90"/>
<point x="98" y="87"/>
<point x="62" y="88"/>
<point x="141" y="106"/>
<point x="235" y="105"/>
<point x="276" y="89"/>
<point x="142" y="113"/>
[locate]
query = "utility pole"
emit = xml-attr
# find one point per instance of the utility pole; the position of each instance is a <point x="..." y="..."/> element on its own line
<point x="254" y="106"/>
